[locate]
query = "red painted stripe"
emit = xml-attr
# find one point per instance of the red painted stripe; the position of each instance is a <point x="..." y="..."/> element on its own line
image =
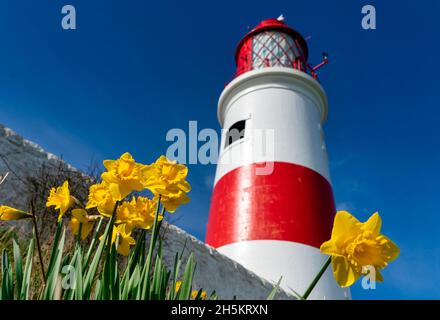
<point x="294" y="203"/>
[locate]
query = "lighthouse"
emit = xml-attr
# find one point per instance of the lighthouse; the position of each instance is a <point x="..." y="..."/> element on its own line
<point x="271" y="211"/>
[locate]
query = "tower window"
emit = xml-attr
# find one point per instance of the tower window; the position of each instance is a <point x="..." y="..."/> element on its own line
<point x="235" y="132"/>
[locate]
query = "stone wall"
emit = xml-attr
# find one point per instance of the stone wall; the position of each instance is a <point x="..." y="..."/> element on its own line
<point x="24" y="159"/>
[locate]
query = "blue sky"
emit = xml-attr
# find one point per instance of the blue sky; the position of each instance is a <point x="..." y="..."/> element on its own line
<point x="133" y="70"/>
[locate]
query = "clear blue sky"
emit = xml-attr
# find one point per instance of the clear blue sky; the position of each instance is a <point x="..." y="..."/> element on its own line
<point x="135" y="69"/>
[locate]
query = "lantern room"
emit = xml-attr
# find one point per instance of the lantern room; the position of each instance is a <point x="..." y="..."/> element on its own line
<point x="272" y="43"/>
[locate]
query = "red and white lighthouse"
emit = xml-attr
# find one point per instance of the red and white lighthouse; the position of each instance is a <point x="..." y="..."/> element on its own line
<point x="274" y="221"/>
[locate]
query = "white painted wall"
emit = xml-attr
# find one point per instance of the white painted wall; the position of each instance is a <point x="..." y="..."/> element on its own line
<point x="291" y="104"/>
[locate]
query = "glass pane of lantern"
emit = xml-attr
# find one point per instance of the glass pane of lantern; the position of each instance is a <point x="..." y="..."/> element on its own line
<point x="272" y="48"/>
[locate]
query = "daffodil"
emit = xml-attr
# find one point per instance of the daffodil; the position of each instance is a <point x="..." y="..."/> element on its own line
<point x="101" y="197"/>
<point x="354" y="245"/>
<point x="164" y="173"/>
<point x="178" y="285"/>
<point x="168" y="179"/>
<point x="80" y="217"/>
<point x="9" y="213"/>
<point x="124" y="175"/>
<point x="61" y="199"/>
<point x="122" y="236"/>
<point x="173" y="198"/>
<point x="194" y="293"/>
<point x="139" y="212"/>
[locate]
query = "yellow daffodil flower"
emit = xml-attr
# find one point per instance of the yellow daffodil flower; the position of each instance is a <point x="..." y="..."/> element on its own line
<point x="173" y="198"/>
<point x="168" y="179"/>
<point x="122" y="234"/>
<point x="61" y="199"/>
<point x="80" y="216"/>
<point x="9" y="213"/>
<point x="124" y="175"/>
<point x="354" y="245"/>
<point x="194" y="293"/>
<point x="165" y="173"/>
<point x="139" y="212"/>
<point x="100" y="197"/>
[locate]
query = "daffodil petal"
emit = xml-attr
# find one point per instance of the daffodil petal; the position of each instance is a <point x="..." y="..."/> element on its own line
<point x="390" y="249"/>
<point x="345" y="275"/>
<point x="86" y="229"/>
<point x="330" y="248"/>
<point x="74" y="225"/>
<point x="80" y="214"/>
<point x="345" y="226"/>
<point x="9" y="213"/>
<point x="373" y="224"/>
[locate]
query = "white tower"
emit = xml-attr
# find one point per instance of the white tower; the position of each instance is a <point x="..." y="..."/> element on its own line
<point x="271" y="210"/>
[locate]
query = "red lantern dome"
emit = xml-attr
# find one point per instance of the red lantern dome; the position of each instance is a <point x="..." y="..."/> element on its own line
<point x="271" y="43"/>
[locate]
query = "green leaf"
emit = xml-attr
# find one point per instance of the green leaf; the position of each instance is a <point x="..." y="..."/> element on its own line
<point x="55" y="245"/>
<point x="186" y="286"/>
<point x="97" y="295"/>
<point x="136" y="254"/>
<point x="79" y="276"/>
<point x="213" y="296"/>
<point x="144" y="289"/>
<point x="92" y="244"/>
<point x="91" y="272"/>
<point x="24" y="293"/>
<point x="157" y="274"/>
<point x="7" y="290"/>
<point x="18" y="267"/>
<point x="275" y="290"/>
<point x="134" y="282"/>
<point x="116" y="292"/>
<point x="176" y="271"/>
<point x="165" y="279"/>
<point x="54" y="270"/>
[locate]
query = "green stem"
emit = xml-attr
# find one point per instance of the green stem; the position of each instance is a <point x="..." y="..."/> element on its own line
<point x="107" y="264"/>
<point x="112" y="222"/>
<point x="155" y="230"/>
<point x="154" y="233"/>
<point x="138" y="250"/>
<point x="318" y="276"/>
<point x="37" y="238"/>
<point x="92" y="244"/>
